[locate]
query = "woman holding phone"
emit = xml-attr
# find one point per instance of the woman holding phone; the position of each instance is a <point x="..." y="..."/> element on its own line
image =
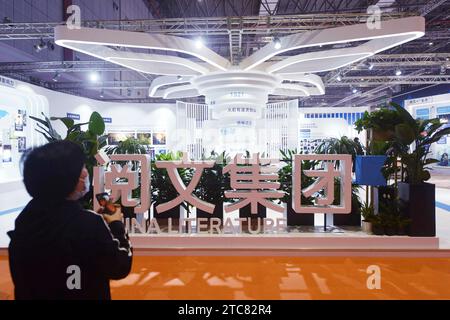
<point x="58" y="250"/>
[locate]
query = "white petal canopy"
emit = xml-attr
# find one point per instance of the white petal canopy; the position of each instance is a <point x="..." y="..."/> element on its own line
<point x="250" y="82"/>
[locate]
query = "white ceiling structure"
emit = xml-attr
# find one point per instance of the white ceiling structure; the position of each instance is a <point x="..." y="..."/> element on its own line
<point x="239" y="90"/>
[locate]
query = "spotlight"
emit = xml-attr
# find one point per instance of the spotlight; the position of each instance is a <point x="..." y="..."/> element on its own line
<point x="56" y="76"/>
<point x="40" y="46"/>
<point x="94" y="77"/>
<point x="277" y="43"/>
<point x="179" y="78"/>
<point x="338" y="78"/>
<point x="371" y="66"/>
<point x="354" y="90"/>
<point x="199" y="42"/>
<point x="430" y="43"/>
<point x="398" y="72"/>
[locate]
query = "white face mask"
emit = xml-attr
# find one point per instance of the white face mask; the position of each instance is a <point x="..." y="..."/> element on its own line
<point x="87" y="185"/>
<point x="77" y="195"/>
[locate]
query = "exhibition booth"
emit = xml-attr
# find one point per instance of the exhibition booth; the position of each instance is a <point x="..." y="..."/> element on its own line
<point x="186" y="136"/>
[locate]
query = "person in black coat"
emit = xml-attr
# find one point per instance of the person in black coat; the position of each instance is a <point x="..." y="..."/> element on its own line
<point x="58" y="250"/>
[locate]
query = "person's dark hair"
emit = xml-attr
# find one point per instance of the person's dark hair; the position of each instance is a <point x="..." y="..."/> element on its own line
<point x="51" y="172"/>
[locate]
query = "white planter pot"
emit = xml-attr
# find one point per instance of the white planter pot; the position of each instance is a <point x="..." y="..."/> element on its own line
<point x="367" y="227"/>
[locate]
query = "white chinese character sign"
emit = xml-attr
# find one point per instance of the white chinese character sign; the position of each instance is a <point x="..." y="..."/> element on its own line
<point x="254" y="182"/>
<point x="122" y="180"/>
<point x="323" y="188"/>
<point x="251" y="185"/>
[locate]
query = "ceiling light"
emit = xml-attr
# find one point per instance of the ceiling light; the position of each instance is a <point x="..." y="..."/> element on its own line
<point x="199" y="42"/>
<point x="40" y="46"/>
<point x="94" y="77"/>
<point x="277" y="43"/>
<point x="371" y="66"/>
<point x="354" y="90"/>
<point x="56" y="76"/>
<point x="430" y="43"/>
<point x="398" y="72"/>
<point x="338" y="78"/>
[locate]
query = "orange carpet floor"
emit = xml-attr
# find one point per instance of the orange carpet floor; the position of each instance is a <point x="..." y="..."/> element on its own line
<point x="172" y="277"/>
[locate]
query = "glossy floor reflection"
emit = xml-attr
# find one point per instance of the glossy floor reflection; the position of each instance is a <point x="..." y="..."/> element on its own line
<point x="274" y="278"/>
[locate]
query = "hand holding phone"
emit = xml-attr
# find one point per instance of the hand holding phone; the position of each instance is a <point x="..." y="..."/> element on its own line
<point x="106" y="203"/>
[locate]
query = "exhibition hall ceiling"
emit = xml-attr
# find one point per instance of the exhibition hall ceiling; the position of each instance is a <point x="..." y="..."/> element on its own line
<point x="293" y="48"/>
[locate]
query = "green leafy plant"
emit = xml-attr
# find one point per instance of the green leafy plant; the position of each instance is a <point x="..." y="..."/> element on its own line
<point x="384" y="119"/>
<point x="90" y="140"/>
<point x="343" y="145"/>
<point x="367" y="212"/>
<point x="390" y="217"/>
<point x="162" y="187"/>
<point x="285" y="176"/>
<point x="213" y="183"/>
<point x="418" y="135"/>
<point x="129" y="146"/>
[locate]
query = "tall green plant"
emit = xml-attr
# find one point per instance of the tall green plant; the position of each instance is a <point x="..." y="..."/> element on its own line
<point x="384" y="119"/>
<point x="162" y="187"/>
<point x="213" y="183"/>
<point x="128" y="146"/>
<point x="343" y="145"/>
<point x="413" y="138"/>
<point x="285" y="175"/>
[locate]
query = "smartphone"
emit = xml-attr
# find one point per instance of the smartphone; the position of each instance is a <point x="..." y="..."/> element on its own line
<point x="104" y="200"/>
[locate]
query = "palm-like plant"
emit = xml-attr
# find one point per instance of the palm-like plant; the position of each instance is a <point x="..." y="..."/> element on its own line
<point x="285" y="175"/>
<point x="213" y="183"/>
<point x="343" y="145"/>
<point x="128" y="146"/>
<point x="162" y="187"/>
<point x="419" y="135"/>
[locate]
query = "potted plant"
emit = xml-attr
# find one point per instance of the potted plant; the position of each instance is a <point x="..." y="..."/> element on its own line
<point x="285" y="180"/>
<point x="368" y="215"/>
<point x="163" y="190"/>
<point x="129" y="146"/>
<point x="402" y="225"/>
<point x="412" y="141"/>
<point x="390" y="224"/>
<point x="90" y="140"/>
<point x="212" y="186"/>
<point x="380" y="123"/>
<point x="378" y="225"/>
